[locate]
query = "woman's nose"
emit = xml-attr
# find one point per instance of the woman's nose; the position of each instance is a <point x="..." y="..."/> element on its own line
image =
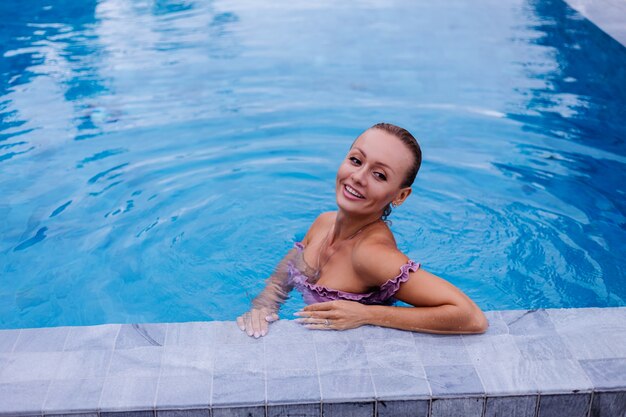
<point x="358" y="176"/>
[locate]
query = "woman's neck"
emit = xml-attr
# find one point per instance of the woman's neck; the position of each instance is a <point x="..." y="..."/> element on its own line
<point x="346" y="226"/>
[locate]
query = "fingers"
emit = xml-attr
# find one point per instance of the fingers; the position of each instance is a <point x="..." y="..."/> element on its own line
<point x="256" y="322"/>
<point x="327" y="305"/>
<point x="271" y="317"/>
<point x="259" y="326"/>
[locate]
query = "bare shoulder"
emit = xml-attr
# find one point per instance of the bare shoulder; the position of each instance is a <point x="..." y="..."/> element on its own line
<point x="321" y="223"/>
<point x="376" y="258"/>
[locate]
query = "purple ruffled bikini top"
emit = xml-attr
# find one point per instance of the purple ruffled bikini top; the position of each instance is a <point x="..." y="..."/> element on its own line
<point x="313" y="293"/>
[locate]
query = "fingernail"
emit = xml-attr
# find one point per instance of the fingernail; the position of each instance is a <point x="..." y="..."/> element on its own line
<point x="256" y="335"/>
<point x="242" y="328"/>
<point x="263" y="333"/>
<point x="297" y="313"/>
<point x="299" y="320"/>
<point x="269" y="318"/>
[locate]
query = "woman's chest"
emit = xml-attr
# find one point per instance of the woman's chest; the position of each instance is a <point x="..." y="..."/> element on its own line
<point x="331" y="270"/>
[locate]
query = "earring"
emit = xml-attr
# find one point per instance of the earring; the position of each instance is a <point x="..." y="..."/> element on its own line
<point x="394" y="204"/>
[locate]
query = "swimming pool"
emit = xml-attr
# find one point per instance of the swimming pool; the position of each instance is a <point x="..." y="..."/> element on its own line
<point x="158" y="158"/>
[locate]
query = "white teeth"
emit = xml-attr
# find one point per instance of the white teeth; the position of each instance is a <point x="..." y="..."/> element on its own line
<point x="353" y="191"/>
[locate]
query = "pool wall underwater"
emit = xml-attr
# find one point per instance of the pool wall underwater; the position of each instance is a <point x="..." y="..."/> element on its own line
<point x="548" y="363"/>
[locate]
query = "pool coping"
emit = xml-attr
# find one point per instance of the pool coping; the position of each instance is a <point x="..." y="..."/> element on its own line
<point x="545" y="362"/>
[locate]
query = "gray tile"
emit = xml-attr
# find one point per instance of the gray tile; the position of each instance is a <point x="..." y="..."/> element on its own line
<point x="191" y="334"/>
<point x="8" y="339"/>
<point x="258" y="411"/>
<point x="608" y="404"/>
<point x="384" y="333"/>
<point x="4" y="361"/>
<point x="570" y="405"/>
<point x="497" y="325"/>
<point x="457" y="407"/>
<point x="94" y="414"/>
<point x="187" y="361"/>
<point x="141" y="335"/>
<point x="330" y="336"/>
<point x="127" y="392"/>
<point x="392" y="354"/>
<point x="246" y="357"/>
<point x="183" y="392"/>
<point x="515" y="377"/>
<point x="411" y="408"/>
<point x="592" y="333"/>
<point x="19" y="366"/>
<point x="243" y="388"/>
<point x="73" y="395"/>
<point x="442" y="350"/>
<point x="280" y="357"/>
<point x="21" y="398"/>
<point x="523" y="322"/>
<point x="139" y="413"/>
<point x="229" y="333"/>
<point x="50" y="339"/>
<point x="184" y="413"/>
<point x="92" y="337"/>
<point x="560" y="377"/>
<point x="299" y="410"/>
<point x="344" y="355"/>
<point x="542" y="346"/>
<point x="454" y="380"/>
<point x="606" y="374"/>
<point x="347" y="385"/>
<point x="355" y="409"/>
<point x="400" y="385"/>
<point x="487" y="349"/>
<point x="83" y="364"/>
<point x="136" y="362"/>
<point x="284" y="330"/>
<point x="293" y="387"/>
<point x="520" y="406"/>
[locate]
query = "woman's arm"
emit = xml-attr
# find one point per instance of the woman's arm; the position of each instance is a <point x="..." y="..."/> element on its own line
<point x="265" y="306"/>
<point x="438" y="306"/>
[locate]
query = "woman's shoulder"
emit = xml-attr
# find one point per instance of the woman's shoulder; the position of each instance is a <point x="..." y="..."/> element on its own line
<point x="322" y="222"/>
<point x="376" y="257"/>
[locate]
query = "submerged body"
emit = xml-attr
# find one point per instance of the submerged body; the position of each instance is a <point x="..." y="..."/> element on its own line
<point x="348" y="265"/>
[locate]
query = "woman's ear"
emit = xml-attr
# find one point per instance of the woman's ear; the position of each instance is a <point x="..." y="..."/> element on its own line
<point x="401" y="196"/>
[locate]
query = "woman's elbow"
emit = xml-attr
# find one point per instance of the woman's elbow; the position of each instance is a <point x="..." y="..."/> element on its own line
<point x="477" y="322"/>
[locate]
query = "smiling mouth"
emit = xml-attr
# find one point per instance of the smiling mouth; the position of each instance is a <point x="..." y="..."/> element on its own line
<point x="353" y="191"/>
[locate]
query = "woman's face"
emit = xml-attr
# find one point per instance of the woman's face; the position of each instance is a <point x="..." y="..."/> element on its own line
<point x="372" y="173"/>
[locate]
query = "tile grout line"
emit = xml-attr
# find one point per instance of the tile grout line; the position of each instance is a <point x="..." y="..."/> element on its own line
<point x="265" y="375"/>
<point x="319" y="378"/>
<point x="593" y="393"/>
<point x="45" y="398"/>
<point x="369" y="369"/>
<point x="106" y="375"/>
<point x="156" y="391"/>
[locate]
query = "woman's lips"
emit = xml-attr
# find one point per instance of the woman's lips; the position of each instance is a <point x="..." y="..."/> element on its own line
<point x="351" y="193"/>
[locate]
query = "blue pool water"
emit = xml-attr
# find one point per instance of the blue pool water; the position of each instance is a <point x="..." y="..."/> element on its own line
<point x="158" y="158"/>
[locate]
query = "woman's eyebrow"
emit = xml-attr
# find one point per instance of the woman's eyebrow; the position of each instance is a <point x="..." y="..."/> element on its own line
<point x="377" y="162"/>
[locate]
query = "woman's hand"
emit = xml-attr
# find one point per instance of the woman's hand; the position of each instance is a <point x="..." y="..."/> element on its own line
<point x="333" y="315"/>
<point x="256" y="321"/>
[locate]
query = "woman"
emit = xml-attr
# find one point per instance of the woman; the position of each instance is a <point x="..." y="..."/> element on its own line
<point x="348" y="266"/>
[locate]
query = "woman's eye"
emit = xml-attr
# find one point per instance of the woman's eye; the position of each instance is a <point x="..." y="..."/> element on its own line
<point x="355" y="160"/>
<point x="380" y="176"/>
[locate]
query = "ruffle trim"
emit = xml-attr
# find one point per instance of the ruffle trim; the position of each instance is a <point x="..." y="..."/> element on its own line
<point x="385" y="291"/>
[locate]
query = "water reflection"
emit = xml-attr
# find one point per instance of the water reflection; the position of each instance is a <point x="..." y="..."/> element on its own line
<point x="575" y="111"/>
